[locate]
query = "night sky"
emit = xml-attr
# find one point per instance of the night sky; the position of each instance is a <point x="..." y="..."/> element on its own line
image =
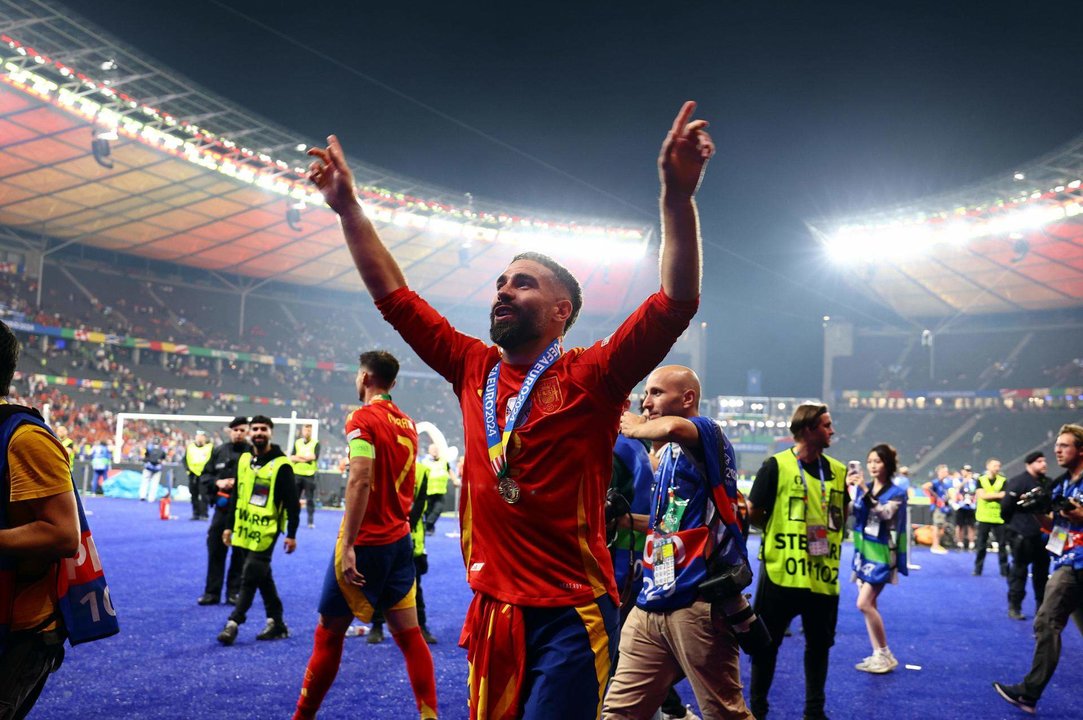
<point x="817" y="109"/>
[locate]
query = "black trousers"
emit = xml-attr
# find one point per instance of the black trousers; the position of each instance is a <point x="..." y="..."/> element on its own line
<point x="216" y="560"/>
<point x="199" y="501"/>
<point x="999" y="534"/>
<point x="1027" y="551"/>
<point x="436" y="506"/>
<point x="256" y="575"/>
<point x="25" y="665"/>
<point x="777" y="606"/>
<point x="306" y="488"/>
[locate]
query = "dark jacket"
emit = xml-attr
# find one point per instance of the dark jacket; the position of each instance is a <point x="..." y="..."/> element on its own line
<point x="1026" y="522"/>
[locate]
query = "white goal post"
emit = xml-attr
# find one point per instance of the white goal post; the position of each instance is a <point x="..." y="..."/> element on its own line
<point x="293" y="422"/>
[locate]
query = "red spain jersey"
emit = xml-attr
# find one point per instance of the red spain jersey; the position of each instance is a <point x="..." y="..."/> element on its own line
<point x="393" y="437"/>
<point x="549" y="548"/>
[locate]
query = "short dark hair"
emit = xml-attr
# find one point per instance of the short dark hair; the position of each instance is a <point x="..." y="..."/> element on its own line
<point x="238" y="422"/>
<point x="806" y="416"/>
<point x="261" y="420"/>
<point x="9" y="357"/>
<point x="382" y="364"/>
<point x="564" y="277"/>
<point x="888" y="457"/>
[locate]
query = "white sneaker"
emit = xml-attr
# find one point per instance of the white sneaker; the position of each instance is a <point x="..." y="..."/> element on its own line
<point x="688" y="715"/>
<point x="939" y="551"/>
<point x="864" y="664"/>
<point x="878" y="664"/>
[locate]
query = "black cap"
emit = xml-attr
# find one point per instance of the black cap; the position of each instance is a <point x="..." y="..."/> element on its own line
<point x="1032" y="456"/>
<point x="238" y="421"/>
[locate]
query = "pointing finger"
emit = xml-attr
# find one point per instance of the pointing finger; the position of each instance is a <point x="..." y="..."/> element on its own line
<point x="334" y="149"/>
<point x="682" y="117"/>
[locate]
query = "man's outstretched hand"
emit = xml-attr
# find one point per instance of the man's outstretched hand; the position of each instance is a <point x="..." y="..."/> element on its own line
<point x="331" y="175"/>
<point x="685" y="153"/>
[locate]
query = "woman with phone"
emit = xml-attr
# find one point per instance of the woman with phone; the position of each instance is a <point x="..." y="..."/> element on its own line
<point x="880" y="546"/>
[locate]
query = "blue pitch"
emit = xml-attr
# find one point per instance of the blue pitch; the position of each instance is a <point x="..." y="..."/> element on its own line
<point x="167" y="664"/>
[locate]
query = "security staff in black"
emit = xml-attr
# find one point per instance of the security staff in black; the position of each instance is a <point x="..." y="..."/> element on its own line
<point x="263" y="502"/>
<point x="1025" y="535"/>
<point x="799" y="499"/>
<point x="217" y="481"/>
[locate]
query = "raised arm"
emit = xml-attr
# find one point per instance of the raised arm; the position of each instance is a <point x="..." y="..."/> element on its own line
<point x="329" y="172"/>
<point x="681" y="163"/>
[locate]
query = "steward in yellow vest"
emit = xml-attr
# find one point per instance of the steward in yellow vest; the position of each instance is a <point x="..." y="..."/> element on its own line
<point x="263" y="503"/>
<point x="306" y="454"/>
<point x="799" y="498"/>
<point x="439" y="473"/>
<point x="196" y="456"/>
<point x="990" y="493"/>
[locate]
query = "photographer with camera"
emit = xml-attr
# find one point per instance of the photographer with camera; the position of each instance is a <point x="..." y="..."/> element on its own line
<point x="1023" y="507"/>
<point x="690" y="616"/>
<point x="1064" y="592"/>
<point x="799" y="499"/>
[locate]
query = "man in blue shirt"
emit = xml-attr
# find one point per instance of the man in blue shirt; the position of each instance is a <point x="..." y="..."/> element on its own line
<point x="692" y="526"/>
<point x="1064" y="592"/>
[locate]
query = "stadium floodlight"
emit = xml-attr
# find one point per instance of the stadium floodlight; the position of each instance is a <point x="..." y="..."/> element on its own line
<point x="1019" y="176"/>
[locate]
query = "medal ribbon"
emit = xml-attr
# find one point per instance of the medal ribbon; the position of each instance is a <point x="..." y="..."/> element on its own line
<point x="497" y="441"/>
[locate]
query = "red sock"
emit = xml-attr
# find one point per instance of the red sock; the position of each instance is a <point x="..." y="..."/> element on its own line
<point x="320" y="673"/>
<point x="419" y="668"/>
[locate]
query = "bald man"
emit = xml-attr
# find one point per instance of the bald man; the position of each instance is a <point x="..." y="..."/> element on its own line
<point x="693" y="531"/>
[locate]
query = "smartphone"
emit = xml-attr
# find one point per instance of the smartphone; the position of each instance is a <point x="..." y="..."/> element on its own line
<point x="853" y="467"/>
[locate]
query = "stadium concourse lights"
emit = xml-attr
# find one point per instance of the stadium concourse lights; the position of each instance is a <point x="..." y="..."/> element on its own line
<point x="117" y="114"/>
<point x="903" y="240"/>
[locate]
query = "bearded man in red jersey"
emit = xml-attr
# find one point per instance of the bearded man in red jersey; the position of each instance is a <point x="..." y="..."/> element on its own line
<point x="540" y="425"/>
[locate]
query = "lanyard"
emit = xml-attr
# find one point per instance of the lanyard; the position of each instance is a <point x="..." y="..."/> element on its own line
<point x="823" y="485"/>
<point x="497" y="441"/>
<point x="665" y="486"/>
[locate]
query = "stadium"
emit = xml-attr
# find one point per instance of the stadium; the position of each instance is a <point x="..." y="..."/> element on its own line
<point x="166" y="265"/>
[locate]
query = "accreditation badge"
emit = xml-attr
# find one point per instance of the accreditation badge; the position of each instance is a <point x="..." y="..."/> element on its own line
<point x="1057" y="540"/>
<point x="817" y="541"/>
<point x="664" y="560"/>
<point x="260" y="493"/>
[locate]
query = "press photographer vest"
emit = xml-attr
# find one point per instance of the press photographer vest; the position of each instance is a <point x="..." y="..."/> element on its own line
<point x="257" y="520"/>
<point x="300" y="447"/>
<point x="784" y="549"/>
<point x="988" y="511"/>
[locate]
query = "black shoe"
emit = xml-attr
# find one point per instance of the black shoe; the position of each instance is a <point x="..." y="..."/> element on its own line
<point x="375" y="636"/>
<point x="274" y="630"/>
<point x="976" y="573"/>
<point x="428" y="636"/>
<point x="232" y="600"/>
<point x="1016" y="614"/>
<point x="207" y="599"/>
<point x="195" y="517"/>
<point x="1013" y="694"/>
<point x="228" y="634"/>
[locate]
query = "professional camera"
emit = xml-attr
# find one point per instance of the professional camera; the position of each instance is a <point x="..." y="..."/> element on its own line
<point x="616" y="507"/>
<point x="1040" y="500"/>
<point x="723" y="589"/>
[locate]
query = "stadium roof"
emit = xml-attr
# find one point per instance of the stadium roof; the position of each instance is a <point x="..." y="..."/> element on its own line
<point x="1011" y="243"/>
<point x="194" y="180"/>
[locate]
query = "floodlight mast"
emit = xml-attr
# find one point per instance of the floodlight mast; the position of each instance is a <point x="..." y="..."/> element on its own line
<point x="293" y="421"/>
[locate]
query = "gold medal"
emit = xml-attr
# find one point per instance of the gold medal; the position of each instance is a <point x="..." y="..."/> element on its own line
<point x="509" y="490"/>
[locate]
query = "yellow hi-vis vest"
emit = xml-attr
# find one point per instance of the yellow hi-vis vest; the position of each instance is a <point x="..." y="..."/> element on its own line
<point x="300" y="447"/>
<point x="988" y="511"/>
<point x="197" y="456"/>
<point x="438" y="476"/>
<point x="257" y="520"/>
<point x="417" y="532"/>
<point x="784" y="549"/>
